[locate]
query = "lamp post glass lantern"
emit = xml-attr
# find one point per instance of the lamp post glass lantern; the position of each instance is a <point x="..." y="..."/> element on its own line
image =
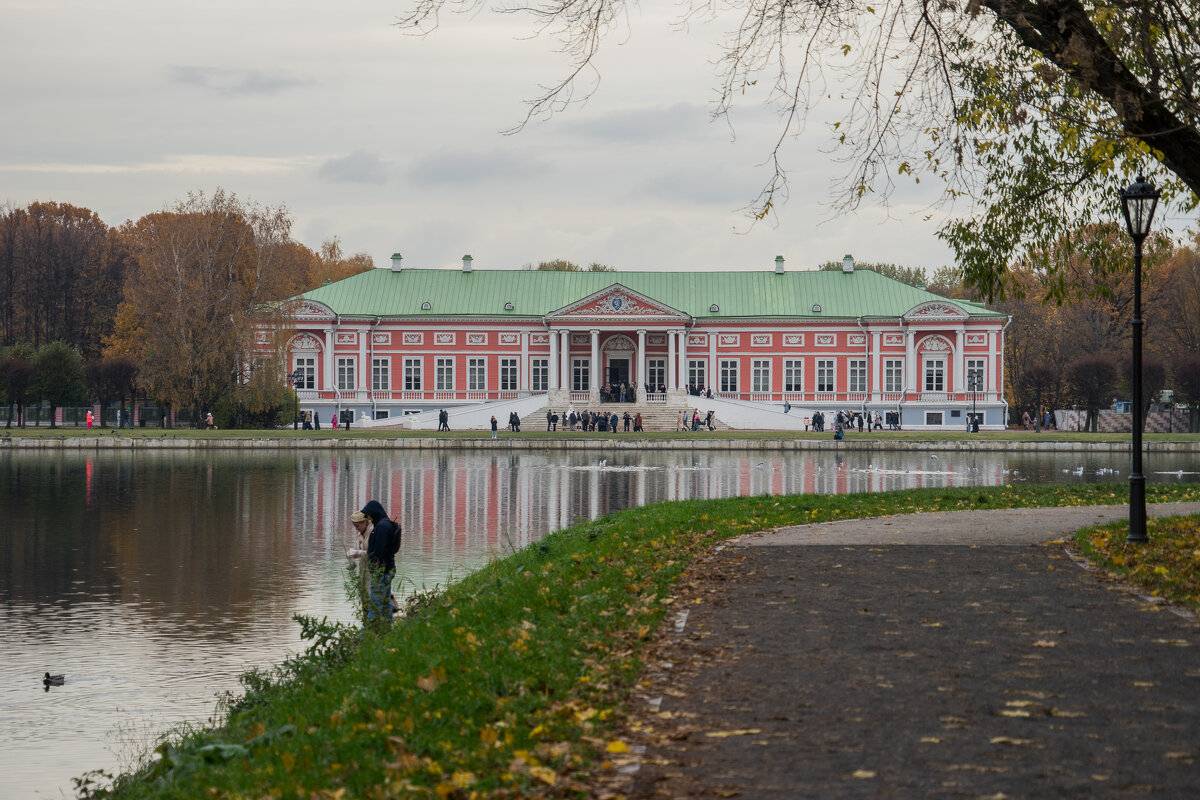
<point x="1137" y="204"/>
<point x="293" y="379"/>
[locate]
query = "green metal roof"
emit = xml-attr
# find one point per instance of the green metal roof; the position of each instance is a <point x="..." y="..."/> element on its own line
<point x="452" y="292"/>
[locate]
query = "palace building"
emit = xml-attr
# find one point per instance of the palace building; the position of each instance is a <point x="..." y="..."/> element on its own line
<point x="393" y="342"/>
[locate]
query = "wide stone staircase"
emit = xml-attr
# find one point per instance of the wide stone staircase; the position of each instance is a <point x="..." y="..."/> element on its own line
<point x="655" y="417"/>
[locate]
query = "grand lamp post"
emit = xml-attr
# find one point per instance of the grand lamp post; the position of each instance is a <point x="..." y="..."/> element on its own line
<point x="1138" y="203"/>
<point x="293" y="379"/>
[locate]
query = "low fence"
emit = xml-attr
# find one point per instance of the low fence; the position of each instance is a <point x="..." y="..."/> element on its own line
<point x="1173" y="421"/>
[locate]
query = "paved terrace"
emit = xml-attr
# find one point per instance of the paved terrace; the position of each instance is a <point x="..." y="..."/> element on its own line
<point x="945" y="655"/>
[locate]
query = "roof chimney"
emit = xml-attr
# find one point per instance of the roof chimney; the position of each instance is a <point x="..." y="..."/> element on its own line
<point x="396" y="259"/>
<point x="467" y="263"/>
<point x="847" y="263"/>
<point x="778" y="265"/>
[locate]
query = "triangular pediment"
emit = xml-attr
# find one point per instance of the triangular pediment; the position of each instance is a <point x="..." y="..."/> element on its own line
<point x="306" y="310"/>
<point x="617" y="302"/>
<point x="937" y="311"/>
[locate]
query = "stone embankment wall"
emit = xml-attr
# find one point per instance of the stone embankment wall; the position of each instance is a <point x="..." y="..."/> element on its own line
<point x="618" y="443"/>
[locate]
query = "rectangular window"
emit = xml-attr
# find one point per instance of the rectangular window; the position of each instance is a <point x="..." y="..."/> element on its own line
<point x="345" y="374"/>
<point x="893" y="375"/>
<point x="412" y="374"/>
<point x="858" y="375"/>
<point x="581" y="380"/>
<point x="697" y="372"/>
<point x="477" y="374"/>
<point x="381" y="374"/>
<point x="825" y="375"/>
<point x="935" y="375"/>
<point x="444" y="374"/>
<point x="306" y="373"/>
<point x="656" y="372"/>
<point x="793" y="375"/>
<point x="975" y="375"/>
<point x="539" y="374"/>
<point x="760" y="375"/>
<point x="729" y="375"/>
<point x="508" y="374"/>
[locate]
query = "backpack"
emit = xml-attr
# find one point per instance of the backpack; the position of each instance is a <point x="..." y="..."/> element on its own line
<point x="393" y="543"/>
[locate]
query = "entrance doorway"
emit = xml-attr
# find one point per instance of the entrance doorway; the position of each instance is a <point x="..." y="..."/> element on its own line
<point x="618" y="371"/>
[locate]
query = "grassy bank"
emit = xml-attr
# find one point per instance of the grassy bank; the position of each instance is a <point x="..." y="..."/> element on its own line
<point x="508" y="683"/>
<point x="1168" y="566"/>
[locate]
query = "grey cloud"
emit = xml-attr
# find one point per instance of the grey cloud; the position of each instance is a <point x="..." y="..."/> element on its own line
<point x="234" y="81"/>
<point x="681" y="120"/>
<point x="474" y="168"/>
<point x="358" y="167"/>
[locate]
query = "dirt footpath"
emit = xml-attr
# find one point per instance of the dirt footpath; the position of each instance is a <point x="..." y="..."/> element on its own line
<point x="928" y="656"/>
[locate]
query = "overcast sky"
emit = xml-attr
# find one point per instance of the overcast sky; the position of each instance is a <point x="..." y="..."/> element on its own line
<point x="394" y="143"/>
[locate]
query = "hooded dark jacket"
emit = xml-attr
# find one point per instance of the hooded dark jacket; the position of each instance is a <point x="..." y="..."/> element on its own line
<point x="384" y="540"/>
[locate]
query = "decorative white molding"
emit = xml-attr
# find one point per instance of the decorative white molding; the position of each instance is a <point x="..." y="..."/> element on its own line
<point x="893" y="338"/>
<point x="414" y="338"/>
<point x="307" y="309"/>
<point x="825" y="340"/>
<point x="729" y="339"/>
<point x="936" y="310"/>
<point x="509" y="338"/>
<point x="580" y="338"/>
<point x="539" y="338"/>
<point x="477" y="338"/>
<point x="444" y="338"/>
<point x="618" y="342"/>
<point x="760" y="340"/>
<point x="305" y="341"/>
<point x="858" y="339"/>
<point x="793" y="339"/>
<point x="697" y="339"/>
<point x="935" y="344"/>
<point x="616" y="300"/>
<point x="262" y="337"/>
<point x="382" y="337"/>
<point x="347" y="337"/>
<point x="976" y="338"/>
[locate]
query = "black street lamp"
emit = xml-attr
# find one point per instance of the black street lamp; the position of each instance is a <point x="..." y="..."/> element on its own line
<point x="974" y="381"/>
<point x="1138" y="203"/>
<point x="293" y="379"/>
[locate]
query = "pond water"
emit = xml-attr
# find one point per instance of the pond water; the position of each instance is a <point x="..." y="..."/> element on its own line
<point x="154" y="579"/>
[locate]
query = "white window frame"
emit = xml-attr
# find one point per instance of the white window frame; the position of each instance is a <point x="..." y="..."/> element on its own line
<point x="413" y="373"/>
<point x="698" y="372"/>
<point x="443" y="374"/>
<point x="977" y="370"/>
<point x="856" y="376"/>
<point x="729" y="375"/>
<point x="476" y="374"/>
<point x="760" y="375"/>
<point x="893" y="375"/>
<point x="510" y="374"/>
<point x="306" y="366"/>
<point x="581" y="374"/>
<point x="793" y="375"/>
<point x="539" y="375"/>
<point x="934" y="374"/>
<point x="346" y="373"/>
<point x="656" y="373"/>
<point x="826" y="375"/>
<point x="381" y="374"/>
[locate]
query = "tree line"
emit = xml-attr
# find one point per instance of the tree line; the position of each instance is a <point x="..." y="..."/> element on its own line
<point x="163" y="308"/>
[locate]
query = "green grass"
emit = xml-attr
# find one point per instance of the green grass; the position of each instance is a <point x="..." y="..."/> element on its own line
<point x="508" y="683"/>
<point x="1167" y="566"/>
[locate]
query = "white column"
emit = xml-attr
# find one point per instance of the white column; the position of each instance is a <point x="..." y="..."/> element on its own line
<point x="553" y="376"/>
<point x="524" y="367"/>
<point x="330" y="376"/>
<point x="683" y="359"/>
<point x="910" y="360"/>
<point x="363" y="336"/>
<point x="876" y="368"/>
<point x="714" y="375"/>
<point x="565" y="358"/>
<point x="594" y="371"/>
<point x="960" y="361"/>
<point x="639" y="384"/>
<point x="671" y="371"/>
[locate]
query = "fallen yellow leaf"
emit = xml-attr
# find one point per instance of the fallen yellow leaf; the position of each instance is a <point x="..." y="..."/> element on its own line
<point x="742" y="732"/>
<point x="617" y="747"/>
